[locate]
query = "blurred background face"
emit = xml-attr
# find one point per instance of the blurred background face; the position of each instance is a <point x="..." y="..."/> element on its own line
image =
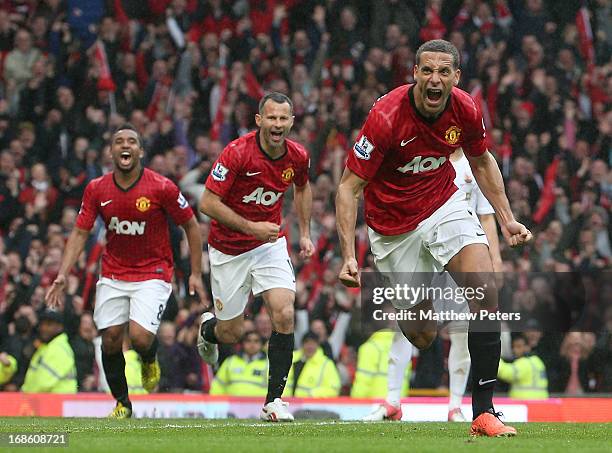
<point x="310" y="346"/>
<point x="318" y="327"/>
<point x="519" y="347"/>
<point x="263" y="324"/>
<point x="252" y="344"/>
<point x="87" y="328"/>
<point x="47" y="330"/>
<point x="167" y="333"/>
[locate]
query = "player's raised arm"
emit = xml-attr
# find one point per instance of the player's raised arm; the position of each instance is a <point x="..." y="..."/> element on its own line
<point x="73" y="248"/>
<point x="490" y="181"/>
<point x="303" y="206"/>
<point x="347" y="199"/>
<point x="212" y="205"/>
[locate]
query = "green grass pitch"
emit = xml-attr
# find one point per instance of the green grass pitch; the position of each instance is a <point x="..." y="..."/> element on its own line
<point x="203" y="436"/>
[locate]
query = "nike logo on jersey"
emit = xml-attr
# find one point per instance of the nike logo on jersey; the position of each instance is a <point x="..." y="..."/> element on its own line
<point x="252" y="173"/>
<point x="405" y="142"/>
<point x="481" y="382"/>
<point x="104" y="203"/>
<point x="480" y="234"/>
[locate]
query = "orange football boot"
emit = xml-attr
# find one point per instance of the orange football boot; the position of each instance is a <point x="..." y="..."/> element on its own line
<point x="488" y="424"/>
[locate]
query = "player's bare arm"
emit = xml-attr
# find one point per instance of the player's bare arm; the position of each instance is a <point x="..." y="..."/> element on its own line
<point x="303" y="206"/>
<point x="73" y="248"/>
<point x="489" y="225"/>
<point x="347" y="199"/>
<point x="489" y="179"/>
<point x="212" y="205"/>
<point x="194" y="239"/>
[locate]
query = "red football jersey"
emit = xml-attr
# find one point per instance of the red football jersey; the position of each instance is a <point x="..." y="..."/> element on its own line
<point x="138" y="243"/>
<point x="405" y="157"/>
<point x="253" y="185"/>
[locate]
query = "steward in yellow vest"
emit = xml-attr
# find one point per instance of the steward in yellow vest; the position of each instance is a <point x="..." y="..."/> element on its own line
<point x="246" y="373"/>
<point x="372" y="364"/>
<point x="133" y="373"/>
<point x="52" y="368"/>
<point x="312" y="374"/>
<point x="526" y="375"/>
<point x="8" y="367"/>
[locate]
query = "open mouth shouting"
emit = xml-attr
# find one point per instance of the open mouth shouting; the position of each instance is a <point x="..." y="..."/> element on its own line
<point x="276" y="136"/>
<point x="433" y="96"/>
<point x="126" y="159"/>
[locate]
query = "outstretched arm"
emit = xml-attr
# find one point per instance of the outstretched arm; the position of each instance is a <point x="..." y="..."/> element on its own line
<point x="347" y="198"/>
<point x="73" y="248"/>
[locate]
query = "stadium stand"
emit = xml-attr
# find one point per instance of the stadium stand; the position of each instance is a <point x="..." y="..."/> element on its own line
<point x="188" y="74"/>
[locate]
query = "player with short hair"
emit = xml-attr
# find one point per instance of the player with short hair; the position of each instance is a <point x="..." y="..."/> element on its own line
<point x="418" y="219"/>
<point x="458" y="355"/>
<point x="247" y="250"/>
<point x="137" y="264"/>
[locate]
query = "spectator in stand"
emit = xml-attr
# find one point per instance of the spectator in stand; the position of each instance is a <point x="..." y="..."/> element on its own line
<point x="20" y="344"/>
<point x="526" y="374"/>
<point x="19" y="62"/>
<point x="372" y="363"/>
<point x="8" y="366"/>
<point x="574" y="367"/>
<point x="52" y="368"/>
<point x="245" y="373"/>
<point x="84" y="354"/>
<point x="312" y="373"/>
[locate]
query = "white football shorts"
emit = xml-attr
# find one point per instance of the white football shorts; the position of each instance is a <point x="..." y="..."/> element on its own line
<point x="429" y="247"/>
<point x="233" y="277"/>
<point x="118" y="301"/>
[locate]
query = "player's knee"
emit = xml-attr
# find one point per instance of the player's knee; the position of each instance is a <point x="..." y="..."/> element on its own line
<point x="283" y="319"/>
<point x="112" y="342"/>
<point x="486" y="290"/>
<point x="228" y="334"/>
<point x="141" y="344"/>
<point x="422" y="340"/>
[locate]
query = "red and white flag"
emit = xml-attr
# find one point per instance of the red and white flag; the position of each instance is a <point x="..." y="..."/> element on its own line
<point x="105" y="78"/>
<point x="585" y="35"/>
<point x="215" y="130"/>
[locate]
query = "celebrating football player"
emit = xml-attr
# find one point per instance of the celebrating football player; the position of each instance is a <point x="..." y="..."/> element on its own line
<point x="246" y="247"/>
<point x="418" y="219"/>
<point x="137" y="265"/>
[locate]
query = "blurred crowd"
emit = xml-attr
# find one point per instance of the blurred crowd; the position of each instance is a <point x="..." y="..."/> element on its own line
<point x="189" y="73"/>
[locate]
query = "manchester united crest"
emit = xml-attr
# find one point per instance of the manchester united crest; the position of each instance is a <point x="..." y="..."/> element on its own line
<point x="143" y="204"/>
<point x="287" y="175"/>
<point x="218" y="304"/>
<point x="452" y="135"/>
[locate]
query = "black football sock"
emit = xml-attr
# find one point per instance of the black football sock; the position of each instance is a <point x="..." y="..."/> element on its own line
<point x="149" y="355"/>
<point x="485" y="349"/>
<point x="280" y="355"/>
<point x="114" y="369"/>
<point x="208" y="331"/>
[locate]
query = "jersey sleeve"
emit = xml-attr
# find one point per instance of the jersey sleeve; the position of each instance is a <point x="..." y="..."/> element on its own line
<point x="175" y="204"/>
<point x="224" y="172"/>
<point x="301" y="173"/>
<point x="474" y="143"/>
<point x="369" y="150"/>
<point x="89" y="208"/>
